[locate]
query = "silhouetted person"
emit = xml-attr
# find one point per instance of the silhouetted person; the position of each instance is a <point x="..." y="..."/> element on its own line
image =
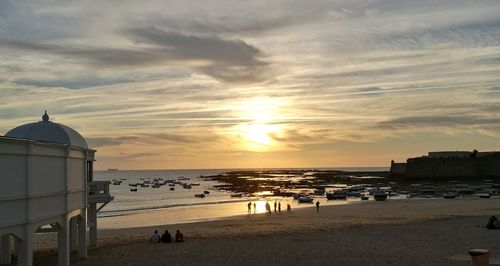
<point x="155" y="238"/>
<point x="275" y="205"/>
<point x="268" y="207"/>
<point x="249" y="207"/>
<point x="492" y="223"/>
<point x="179" y="237"/>
<point x="317" y="206"/>
<point x="166" y="237"/>
<point x="254" y="207"/>
<point x="288" y="207"/>
<point x="279" y="206"/>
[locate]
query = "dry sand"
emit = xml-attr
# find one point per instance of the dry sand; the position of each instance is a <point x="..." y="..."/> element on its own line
<point x="395" y="232"/>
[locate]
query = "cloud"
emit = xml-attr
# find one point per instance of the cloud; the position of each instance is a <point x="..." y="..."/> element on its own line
<point x="225" y="60"/>
<point x="438" y="120"/>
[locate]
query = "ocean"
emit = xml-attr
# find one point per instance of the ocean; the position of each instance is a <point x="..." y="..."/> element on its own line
<point x="182" y="202"/>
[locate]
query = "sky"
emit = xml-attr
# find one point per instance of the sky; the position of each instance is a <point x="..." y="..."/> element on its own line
<point x="242" y="84"/>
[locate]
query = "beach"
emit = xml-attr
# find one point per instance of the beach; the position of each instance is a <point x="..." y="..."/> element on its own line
<point x="394" y="232"/>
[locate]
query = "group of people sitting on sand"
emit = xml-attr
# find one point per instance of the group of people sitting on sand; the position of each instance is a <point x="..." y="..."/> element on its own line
<point x="166" y="237"/>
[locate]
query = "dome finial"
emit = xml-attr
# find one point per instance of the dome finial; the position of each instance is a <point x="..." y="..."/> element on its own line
<point x="45" y="117"/>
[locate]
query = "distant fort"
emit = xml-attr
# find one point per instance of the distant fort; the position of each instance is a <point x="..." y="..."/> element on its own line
<point x="450" y="164"/>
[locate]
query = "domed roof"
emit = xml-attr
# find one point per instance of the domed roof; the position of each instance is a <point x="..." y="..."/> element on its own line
<point x="48" y="131"/>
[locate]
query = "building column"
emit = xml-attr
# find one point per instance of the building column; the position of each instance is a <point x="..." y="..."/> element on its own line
<point x="25" y="251"/>
<point x="5" y="256"/>
<point x="93" y="224"/>
<point x="63" y="243"/>
<point x="82" y="234"/>
<point x="73" y="233"/>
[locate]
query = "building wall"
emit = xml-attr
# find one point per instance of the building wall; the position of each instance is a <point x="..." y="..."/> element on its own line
<point x="442" y="167"/>
<point x="490" y="165"/>
<point x="398" y="168"/>
<point x="484" y="166"/>
<point x="450" y="154"/>
<point x="40" y="180"/>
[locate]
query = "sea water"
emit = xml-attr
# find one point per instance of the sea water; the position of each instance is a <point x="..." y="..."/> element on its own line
<point x="181" y="202"/>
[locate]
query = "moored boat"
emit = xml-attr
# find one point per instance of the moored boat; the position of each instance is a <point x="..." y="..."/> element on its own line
<point x="449" y="195"/>
<point x="133" y="189"/>
<point x="305" y="199"/>
<point x="337" y="195"/>
<point x="484" y="195"/>
<point x="201" y="195"/>
<point x="379" y="195"/>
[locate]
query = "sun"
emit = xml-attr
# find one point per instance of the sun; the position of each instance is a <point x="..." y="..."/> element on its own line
<point x="263" y="127"/>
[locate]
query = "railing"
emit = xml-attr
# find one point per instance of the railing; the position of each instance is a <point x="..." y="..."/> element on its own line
<point x="99" y="191"/>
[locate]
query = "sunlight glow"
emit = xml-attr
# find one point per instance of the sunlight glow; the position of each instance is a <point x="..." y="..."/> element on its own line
<point x="261" y="133"/>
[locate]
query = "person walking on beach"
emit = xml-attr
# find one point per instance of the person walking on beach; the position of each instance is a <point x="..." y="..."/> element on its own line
<point x="166" y="237"/>
<point x="279" y="206"/>
<point x="268" y="207"/>
<point x="275" y="205"/>
<point x="254" y="207"/>
<point x="249" y="207"/>
<point x="155" y="238"/>
<point x="317" y="206"/>
<point x="288" y="207"/>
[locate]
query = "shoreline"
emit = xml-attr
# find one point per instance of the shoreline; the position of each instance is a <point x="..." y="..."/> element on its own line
<point x="302" y="221"/>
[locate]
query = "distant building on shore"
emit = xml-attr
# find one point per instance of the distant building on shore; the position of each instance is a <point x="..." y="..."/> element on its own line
<point x="47" y="186"/>
<point x="450" y="164"/>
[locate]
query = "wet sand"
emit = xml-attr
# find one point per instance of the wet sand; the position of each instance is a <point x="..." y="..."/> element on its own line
<point x="395" y="232"/>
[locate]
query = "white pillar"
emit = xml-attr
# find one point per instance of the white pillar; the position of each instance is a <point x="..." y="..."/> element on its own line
<point x="5" y="256"/>
<point x="25" y="252"/>
<point x="93" y="224"/>
<point x="73" y="234"/>
<point x="63" y="243"/>
<point x="82" y="234"/>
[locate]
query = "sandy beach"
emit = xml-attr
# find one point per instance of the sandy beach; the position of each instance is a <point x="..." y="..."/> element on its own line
<point x="395" y="232"/>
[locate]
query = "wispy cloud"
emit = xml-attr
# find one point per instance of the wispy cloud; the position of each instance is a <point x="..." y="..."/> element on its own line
<point x="165" y="84"/>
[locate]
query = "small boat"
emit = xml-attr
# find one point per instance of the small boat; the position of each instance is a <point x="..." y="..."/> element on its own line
<point x="195" y="184"/>
<point x="305" y="199"/>
<point x="186" y="186"/>
<point x="238" y="195"/>
<point x="353" y="193"/>
<point x="464" y="189"/>
<point x="172" y="188"/>
<point x="364" y="197"/>
<point x="133" y="185"/>
<point x="319" y="191"/>
<point x="484" y="195"/>
<point x="133" y="189"/>
<point x="379" y="195"/>
<point x="206" y="192"/>
<point x="337" y="195"/>
<point x="155" y="186"/>
<point x="428" y="191"/>
<point x="449" y="195"/>
<point x="144" y="185"/>
<point x="201" y="195"/>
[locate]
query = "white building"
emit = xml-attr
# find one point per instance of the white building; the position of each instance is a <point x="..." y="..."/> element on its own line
<point x="47" y="186"/>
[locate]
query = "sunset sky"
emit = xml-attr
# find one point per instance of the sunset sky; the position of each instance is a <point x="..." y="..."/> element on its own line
<point x="238" y="84"/>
